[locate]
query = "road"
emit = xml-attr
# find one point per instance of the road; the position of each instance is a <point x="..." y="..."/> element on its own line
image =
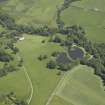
<point x="31" y="85"/>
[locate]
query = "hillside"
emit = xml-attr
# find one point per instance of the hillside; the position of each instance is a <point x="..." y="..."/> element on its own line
<point x="33" y="12"/>
<point x="52" y="52"/>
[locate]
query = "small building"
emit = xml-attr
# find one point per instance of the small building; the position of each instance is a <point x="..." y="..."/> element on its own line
<point x="21" y="38"/>
<point x="96" y="9"/>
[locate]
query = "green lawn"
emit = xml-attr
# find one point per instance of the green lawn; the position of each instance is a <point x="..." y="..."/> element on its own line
<point x="44" y="80"/>
<point x="82" y="87"/>
<point x="92" y="21"/>
<point x="32" y="11"/>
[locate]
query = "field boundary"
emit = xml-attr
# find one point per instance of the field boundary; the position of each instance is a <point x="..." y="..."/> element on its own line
<point x="59" y="85"/>
<point x="89" y="9"/>
<point x="54" y="91"/>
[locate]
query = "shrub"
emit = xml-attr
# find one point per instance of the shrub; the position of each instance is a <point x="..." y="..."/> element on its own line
<point x="54" y="54"/>
<point x="57" y="39"/>
<point x="51" y="64"/>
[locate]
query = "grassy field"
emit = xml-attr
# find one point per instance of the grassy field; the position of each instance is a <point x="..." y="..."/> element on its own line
<point x="44" y="80"/>
<point x="59" y="101"/>
<point x="15" y="82"/>
<point x="92" y="20"/>
<point x="81" y="87"/>
<point x="1" y="28"/>
<point x="32" y="11"/>
<point x="91" y="4"/>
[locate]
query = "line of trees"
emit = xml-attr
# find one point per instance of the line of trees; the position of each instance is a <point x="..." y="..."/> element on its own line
<point x="66" y="4"/>
<point x="9" y="23"/>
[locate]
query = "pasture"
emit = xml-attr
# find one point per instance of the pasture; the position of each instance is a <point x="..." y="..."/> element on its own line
<point x="15" y="82"/>
<point x="1" y="28"/>
<point x="44" y="80"/>
<point x="89" y="18"/>
<point x="91" y="4"/>
<point x="81" y="87"/>
<point x="59" y="101"/>
<point x="32" y="12"/>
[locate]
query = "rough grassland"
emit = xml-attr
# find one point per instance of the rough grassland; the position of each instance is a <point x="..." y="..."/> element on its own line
<point x="32" y="11"/>
<point x="92" y="20"/>
<point x="44" y="80"/>
<point x="82" y="87"/>
<point x="1" y="28"/>
<point x="90" y="4"/>
<point x="15" y="82"/>
<point x="59" y="101"/>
